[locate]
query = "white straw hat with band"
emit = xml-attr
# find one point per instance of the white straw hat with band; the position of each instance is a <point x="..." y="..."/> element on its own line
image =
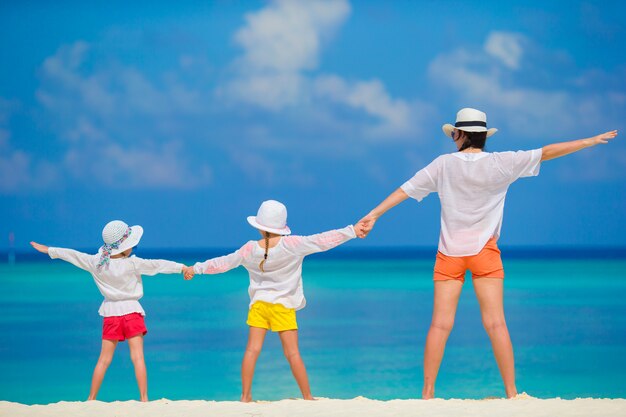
<point x="118" y="237"/>
<point x="469" y="120"/>
<point x="271" y="217"/>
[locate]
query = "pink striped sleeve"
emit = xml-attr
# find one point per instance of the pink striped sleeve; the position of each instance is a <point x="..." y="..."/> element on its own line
<point x="224" y="263"/>
<point x="306" y="245"/>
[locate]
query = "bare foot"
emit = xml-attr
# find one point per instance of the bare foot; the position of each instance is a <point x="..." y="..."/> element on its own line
<point x="246" y="398"/>
<point x="309" y="398"/>
<point x="428" y="394"/>
<point x="144" y="399"/>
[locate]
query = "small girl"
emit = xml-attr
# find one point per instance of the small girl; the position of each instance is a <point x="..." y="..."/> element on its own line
<point x="275" y="267"/>
<point x="118" y="278"/>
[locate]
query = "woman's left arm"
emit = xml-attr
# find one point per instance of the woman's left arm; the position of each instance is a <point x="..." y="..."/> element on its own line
<point x="556" y="150"/>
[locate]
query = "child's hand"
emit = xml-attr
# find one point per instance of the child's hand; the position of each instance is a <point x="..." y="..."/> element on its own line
<point x="359" y="231"/>
<point x="364" y="226"/>
<point x="188" y="272"/>
<point x="41" y="248"/>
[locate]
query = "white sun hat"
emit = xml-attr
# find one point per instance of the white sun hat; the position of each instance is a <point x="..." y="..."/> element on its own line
<point x="117" y="233"/>
<point x="271" y="217"/>
<point x="469" y="120"/>
<point x="118" y="237"/>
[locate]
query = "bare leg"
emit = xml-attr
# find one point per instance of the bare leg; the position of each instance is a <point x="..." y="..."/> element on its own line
<point x="135" y="344"/>
<point x="106" y="355"/>
<point x="489" y="292"/>
<point x="444" y="309"/>
<point x="289" y="339"/>
<point x="256" y="336"/>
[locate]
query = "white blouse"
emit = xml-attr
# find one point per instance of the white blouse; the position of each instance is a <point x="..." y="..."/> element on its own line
<point x="120" y="284"/>
<point x="281" y="283"/>
<point x="472" y="188"/>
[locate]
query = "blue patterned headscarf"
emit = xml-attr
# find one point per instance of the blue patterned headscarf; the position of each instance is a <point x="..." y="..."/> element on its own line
<point x="106" y="249"/>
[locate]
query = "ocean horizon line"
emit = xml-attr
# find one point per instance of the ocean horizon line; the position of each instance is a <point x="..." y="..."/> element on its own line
<point x="378" y="253"/>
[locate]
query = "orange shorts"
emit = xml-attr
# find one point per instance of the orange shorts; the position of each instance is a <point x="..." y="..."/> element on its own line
<point x="485" y="264"/>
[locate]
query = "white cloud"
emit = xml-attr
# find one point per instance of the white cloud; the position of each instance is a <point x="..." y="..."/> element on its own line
<point x="116" y="166"/>
<point x="18" y="171"/>
<point x="286" y="35"/>
<point x="281" y="51"/>
<point x="107" y="93"/>
<point x="279" y="42"/>
<point x="269" y="91"/>
<point x="372" y="98"/>
<point x="264" y="170"/>
<point x="536" y="112"/>
<point x="117" y="124"/>
<point x="505" y="46"/>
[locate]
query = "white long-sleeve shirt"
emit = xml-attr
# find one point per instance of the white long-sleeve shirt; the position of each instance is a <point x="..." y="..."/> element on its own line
<point x="281" y="283"/>
<point x="120" y="284"/>
<point x="472" y="188"/>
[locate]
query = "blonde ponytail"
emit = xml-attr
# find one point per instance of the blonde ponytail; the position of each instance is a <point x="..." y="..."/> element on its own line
<point x="267" y="245"/>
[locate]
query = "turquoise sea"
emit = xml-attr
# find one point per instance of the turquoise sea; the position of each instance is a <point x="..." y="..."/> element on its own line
<point x="362" y="332"/>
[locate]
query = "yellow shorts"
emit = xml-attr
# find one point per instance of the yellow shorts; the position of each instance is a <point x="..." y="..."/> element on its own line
<point x="276" y="317"/>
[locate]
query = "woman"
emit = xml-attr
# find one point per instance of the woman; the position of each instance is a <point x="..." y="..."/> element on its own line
<point x="472" y="186"/>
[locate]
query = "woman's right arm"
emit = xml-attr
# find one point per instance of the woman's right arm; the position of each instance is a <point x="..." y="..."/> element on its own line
<point x="418" y="187"/>
<point x="556" y="150"/>
<point x="365" y="225"/>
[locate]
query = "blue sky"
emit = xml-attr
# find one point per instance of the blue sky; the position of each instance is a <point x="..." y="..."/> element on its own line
<point x="184" y="118"/>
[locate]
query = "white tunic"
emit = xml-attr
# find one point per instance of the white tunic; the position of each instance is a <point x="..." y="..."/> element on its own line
<point x="120" y="284"/>
<point x="472" y="188"/>
<point x="281" y="283"/>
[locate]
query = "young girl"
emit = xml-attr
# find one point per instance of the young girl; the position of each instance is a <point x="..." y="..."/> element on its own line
<point x="118" y="278"/>
<point x="472" y="187"/>
<point x="275" y="267"/>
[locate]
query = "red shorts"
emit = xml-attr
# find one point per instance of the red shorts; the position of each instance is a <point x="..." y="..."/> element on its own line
<point x="123" y="327"/>
<point x="485" y="264"/>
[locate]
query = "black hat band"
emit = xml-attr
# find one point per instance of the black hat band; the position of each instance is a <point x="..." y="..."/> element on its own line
<point x="475" y="123"/>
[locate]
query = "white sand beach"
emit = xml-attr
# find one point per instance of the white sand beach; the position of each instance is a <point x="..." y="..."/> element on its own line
<point x="523" y="406"/>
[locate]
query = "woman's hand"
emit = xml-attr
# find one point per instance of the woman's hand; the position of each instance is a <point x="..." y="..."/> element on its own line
<point x="188" y="272"/>
<point x="604" y="137"/>
<point x="365" y="225"/>
<point x="39" y="247"/>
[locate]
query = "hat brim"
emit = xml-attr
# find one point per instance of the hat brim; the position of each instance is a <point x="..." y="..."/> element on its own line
<point x="284" y="231"/>
<point x="130" y="242"/>
<point x="448" y="128"/>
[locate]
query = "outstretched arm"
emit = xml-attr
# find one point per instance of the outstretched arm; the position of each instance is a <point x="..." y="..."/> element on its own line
<point x="556" y="150"/>
<point x="218" y="265"/>
<point x="39" y="247"/>
<point x="72" y="256"/>
<point x="320" y="242"/>
<point x="156" y="266"/>
<point x="365" y="225"/>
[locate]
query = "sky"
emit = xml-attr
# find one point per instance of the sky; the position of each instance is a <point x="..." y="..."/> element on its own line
<point x="184" y="118"/>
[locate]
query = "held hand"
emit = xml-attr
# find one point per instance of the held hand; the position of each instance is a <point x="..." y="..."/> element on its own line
<point x="358" y="230"/>
<point x="39" y="247"/>
<point x="365" y="225"/>
<point x="188" y="272"/>
<point x="605" y="137"/>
